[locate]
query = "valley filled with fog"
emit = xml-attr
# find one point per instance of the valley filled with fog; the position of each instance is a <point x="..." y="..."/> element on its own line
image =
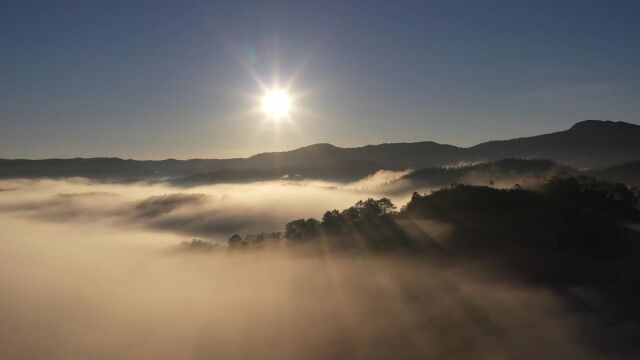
<point x="86" y="292"/>
<point x="311" y="180"/>
<point x="212" y="212"/>
<point x="93" y="269"/>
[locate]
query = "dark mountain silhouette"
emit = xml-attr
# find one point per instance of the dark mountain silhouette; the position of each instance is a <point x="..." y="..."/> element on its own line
<point x="590" y="143"/>
<point x="342" y="172"/>
<point x="398" y="155"/>
<point x="104" y="168"/>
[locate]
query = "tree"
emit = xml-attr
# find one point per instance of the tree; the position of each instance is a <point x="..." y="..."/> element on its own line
<point x="302" y="229"/>
<point x="562" y="186"/>
<point x="196" y="245"/>
<point x="375" y="208"/>
<point x="332" y="222"/>
<point x="235" y="240"/>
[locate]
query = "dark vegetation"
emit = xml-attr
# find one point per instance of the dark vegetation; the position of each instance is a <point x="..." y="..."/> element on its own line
<point x="568" y="213"/>
<point x="508" y="170"/>
<point x="197" y="245"/>
<point x="570" y="236"/>
<point x="628" y="173"/>
<point x="368" y="225"/>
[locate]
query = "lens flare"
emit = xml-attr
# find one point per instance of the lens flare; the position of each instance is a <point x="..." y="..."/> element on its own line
<point x="276" y="104"/>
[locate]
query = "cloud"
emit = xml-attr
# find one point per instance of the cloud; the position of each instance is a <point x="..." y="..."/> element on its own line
<point x="160" y="205"/>
<point x="213" y="212"/>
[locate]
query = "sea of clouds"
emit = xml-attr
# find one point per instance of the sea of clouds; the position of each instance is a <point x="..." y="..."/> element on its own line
<point x="85" y="272"/>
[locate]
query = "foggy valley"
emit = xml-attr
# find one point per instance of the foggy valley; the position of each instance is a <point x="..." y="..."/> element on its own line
<point x="103" y="269"/>
<point x="349" y="180"/>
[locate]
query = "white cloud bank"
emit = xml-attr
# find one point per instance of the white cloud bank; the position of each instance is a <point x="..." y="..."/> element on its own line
<point x="84" y="274"/>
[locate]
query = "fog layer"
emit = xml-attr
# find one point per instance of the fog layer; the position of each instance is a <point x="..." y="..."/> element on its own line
<point x="86" y="272"/>
<point x="211" y="212"/>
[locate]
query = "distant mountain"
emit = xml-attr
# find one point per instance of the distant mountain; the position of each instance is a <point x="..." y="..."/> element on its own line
<point x="590" y="143"/>
<point x="398" y="155"/>
<point x="104" y="168"/>
<point x="342" y="172"/>
<point x="587" y="144"/>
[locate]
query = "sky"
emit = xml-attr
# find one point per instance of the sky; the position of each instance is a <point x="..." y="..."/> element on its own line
<point x="183" y="79"/>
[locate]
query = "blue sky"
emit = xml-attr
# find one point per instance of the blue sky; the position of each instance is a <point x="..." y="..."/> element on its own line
<point x="173" y="79"/>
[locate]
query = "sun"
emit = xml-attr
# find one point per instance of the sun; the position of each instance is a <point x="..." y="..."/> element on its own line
<point x="276" y="104"/>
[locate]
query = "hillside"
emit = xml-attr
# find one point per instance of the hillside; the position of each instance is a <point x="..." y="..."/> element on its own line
<point x="590" y="143"/>
<point x="501" y="172"/>
<point x="628" y="173"/>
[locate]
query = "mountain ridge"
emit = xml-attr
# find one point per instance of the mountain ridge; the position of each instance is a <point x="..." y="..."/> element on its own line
<point x="586" y="144"/>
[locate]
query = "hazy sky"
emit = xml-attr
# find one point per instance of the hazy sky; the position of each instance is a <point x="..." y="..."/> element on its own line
<point x="159" y="79"/>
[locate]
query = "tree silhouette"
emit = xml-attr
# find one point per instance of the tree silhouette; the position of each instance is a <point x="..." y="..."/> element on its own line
<point x="302" y="229"/>
<point x="333" y="222"/>
<point x="235" y="240"/>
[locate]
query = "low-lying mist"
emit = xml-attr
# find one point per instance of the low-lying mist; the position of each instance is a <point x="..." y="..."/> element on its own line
<point x="212" y="212"/>
<point x="87" y="271"/>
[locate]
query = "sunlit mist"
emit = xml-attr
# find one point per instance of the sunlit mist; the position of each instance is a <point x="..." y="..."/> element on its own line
<point x="348" y="180"/>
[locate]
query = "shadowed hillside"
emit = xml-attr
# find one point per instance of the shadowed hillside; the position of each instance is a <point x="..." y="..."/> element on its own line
<point x="505" y="171"/>
<point x="571" y="237"/>
<point x="576" y="214"/>
<point x="589" y="143"/>
<point x="628" y="173"/>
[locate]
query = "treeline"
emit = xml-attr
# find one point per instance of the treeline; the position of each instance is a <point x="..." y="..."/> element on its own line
<point x="369" y="223"/>
<point x="567" y="213"/>
<point x="505" y="170"/>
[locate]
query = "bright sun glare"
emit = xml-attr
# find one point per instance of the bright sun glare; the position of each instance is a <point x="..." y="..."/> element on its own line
<point x="276" y="104"/>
